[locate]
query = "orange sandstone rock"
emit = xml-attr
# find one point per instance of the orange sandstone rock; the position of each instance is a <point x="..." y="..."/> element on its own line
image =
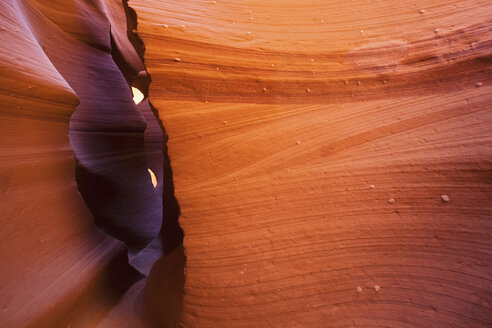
<point x="280" y="233"/>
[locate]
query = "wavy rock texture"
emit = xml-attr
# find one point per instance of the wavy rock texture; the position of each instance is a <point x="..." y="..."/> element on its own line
<point x="63" y="98"/>
<point x="331" y="159"/>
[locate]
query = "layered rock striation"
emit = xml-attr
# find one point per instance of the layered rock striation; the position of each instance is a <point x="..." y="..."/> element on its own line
<point x="331" y="160"/>
<point x="69" y="125"/>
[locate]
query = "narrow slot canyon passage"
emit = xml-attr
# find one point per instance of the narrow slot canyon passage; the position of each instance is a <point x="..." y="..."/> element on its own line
<point x="238" y="164"/>
<point x="98" y="191"/>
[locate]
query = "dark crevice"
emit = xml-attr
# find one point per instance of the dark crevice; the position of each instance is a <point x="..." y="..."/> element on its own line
<point x="171" y="232"/>
<point x="132" y="22"/>
<point x="122" y="64"/>
<point x="162" y="301"/>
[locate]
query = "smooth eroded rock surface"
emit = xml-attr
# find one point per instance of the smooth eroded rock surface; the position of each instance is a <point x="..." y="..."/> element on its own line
<point x="311" y="144"/>
<point x="66" y="114"/>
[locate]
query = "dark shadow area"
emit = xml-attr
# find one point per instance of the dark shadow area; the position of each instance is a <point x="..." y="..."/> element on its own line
<point x="162" y="299"/>
<point x="132" y="22"/>
<point x="171" y="232"/>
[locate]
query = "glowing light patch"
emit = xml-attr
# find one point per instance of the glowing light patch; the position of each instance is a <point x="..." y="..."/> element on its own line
<point x="137" y="95"/>
<point x="153" y="178"/>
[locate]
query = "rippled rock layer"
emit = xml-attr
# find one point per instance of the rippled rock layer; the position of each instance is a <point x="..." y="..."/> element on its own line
<point x="331" y="160"/>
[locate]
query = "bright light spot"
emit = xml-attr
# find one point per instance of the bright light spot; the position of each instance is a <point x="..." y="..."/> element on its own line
<point x="153" y="178"/>
<point x="137" y="95"/>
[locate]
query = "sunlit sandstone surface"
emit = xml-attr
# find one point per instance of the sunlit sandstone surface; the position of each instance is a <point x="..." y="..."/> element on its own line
<point x="331" y="159"/>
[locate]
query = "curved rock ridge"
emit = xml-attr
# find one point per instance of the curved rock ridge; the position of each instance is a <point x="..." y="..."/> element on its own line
<point x="331" y="160"/>
<point x="267" y="56"/>
<point x="106" y="129"/>
<point x="67" y="114"/>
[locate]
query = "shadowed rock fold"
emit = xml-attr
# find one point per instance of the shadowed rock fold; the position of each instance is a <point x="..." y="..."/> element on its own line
<point x="66" y="76"/>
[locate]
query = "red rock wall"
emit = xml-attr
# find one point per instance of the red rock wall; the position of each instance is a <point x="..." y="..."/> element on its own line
<point x="331" y="160"/>
<point x="67" y="111"/>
